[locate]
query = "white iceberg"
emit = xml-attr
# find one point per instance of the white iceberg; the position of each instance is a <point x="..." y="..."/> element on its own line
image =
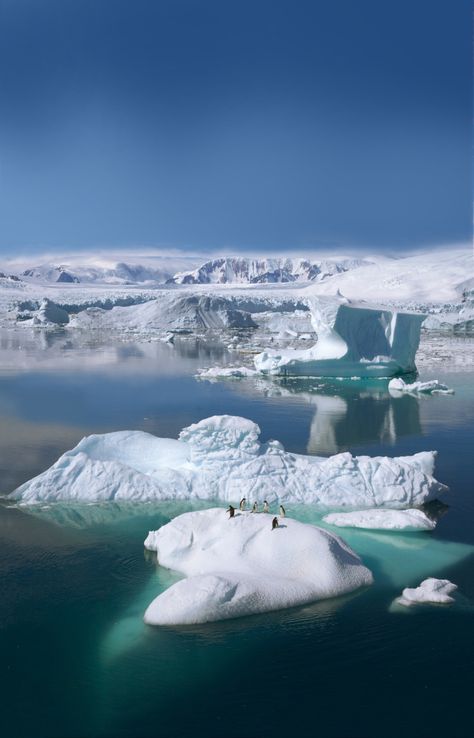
<point x="240" y="566"/>
<point x="221" y="457"/>
<point x="49" y="314"/>
<point x="353" y="340"/>
<point x="430" y="591"/>
<point x="432" y="387"/>
<point x="217" y="372"/>
<point x="382" y="519"/>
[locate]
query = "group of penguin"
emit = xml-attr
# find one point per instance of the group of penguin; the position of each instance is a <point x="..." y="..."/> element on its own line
<point x="266" y="509"/>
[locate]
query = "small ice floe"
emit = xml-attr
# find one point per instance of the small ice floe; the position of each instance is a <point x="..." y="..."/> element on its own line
<point x="246" y="564"/>
<point x="430" y="591"/>
<point x="382" y="519"/>
<point x="433" y="387"/>
<point x="238" y="372"/>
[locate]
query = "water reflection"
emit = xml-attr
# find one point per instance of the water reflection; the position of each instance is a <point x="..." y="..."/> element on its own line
<point x="346" y="413"/>
<point x="27" y="349"/>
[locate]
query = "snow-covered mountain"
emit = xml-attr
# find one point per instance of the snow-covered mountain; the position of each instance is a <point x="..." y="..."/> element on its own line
<point x="238" y="270"/>
<point x="121" y="273"/>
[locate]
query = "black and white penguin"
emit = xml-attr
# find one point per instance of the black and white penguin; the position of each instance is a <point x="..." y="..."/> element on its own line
<point x="265" y="507"/>
<point x="255" y="507"/>
<point x="282" y="511"/>
<point x="242" y="503"/>
<point x="274" y="523"/>
<point x="231" y="511"/>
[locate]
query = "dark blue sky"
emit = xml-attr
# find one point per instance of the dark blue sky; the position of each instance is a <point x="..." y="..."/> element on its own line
<point x="234" y="124"/>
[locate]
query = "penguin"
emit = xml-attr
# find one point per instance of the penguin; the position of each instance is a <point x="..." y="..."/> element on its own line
<point x="282" y="511"/>
<point x="231" y="511"/>
<point x="265" y="507"/>
<point x="242" y="503"/>
<point x="274" y="523"/>
<point x="255" y="507"/>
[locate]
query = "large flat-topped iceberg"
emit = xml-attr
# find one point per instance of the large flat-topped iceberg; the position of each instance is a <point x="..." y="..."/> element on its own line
<point x="353" y="340"/>
<point x="222" y="458"/>
<point x="240" y="566"/>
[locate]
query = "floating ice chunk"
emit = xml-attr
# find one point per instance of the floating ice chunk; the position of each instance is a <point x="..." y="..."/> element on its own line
<point x="221" y="457"/>
<point x="433" y="387"/>
<point x="49" y="314"/>
<point x="430" y="591"/>
<point x="227" y="371"/>
<point x="239" y="566"/>
<point x="382" y="519"/>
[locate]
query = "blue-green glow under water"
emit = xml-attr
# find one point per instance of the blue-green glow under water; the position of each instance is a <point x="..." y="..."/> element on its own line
<point x="76" y="657"/>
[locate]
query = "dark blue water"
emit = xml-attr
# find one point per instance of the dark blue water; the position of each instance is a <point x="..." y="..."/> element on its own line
<point x="76" y="658"/>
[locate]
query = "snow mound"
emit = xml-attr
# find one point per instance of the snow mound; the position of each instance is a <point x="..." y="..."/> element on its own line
<point x="240" y="566"/>
<point x="353" y="340"/>
<point x="380" y="519"/>
<point x="432" y="387"/>
<point x="221" y="457"/>
<point x="430" y="591"/>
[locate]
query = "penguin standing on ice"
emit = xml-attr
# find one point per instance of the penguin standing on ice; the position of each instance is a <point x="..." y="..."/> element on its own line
<point x="255" y="507"/>
<point x="231" y="511"/>
<point x="242" y="503"/>
<point x="274" y="523"/>
<point x="282" y="511"/>
<point x="265" y="506"/>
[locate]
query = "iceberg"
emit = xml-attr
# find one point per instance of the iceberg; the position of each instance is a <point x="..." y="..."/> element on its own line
<point x="430" y="591"/>
<point x="240" y="566"/>
<point x="222" y="458"/>
<point x="432" y="387"/>
<point x="49" y="314"/>
<point x="353" y="340"/>
<point x="382" y="519"/>
<point x="218" y="372"/>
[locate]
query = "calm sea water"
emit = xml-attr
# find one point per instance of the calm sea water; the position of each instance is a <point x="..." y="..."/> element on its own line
<point x="76" y="657"/>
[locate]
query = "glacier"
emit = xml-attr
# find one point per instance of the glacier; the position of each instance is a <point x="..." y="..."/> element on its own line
<point x="240" y="566"/>
<point x="222" y="458"/>
<point x="438" y="284"/>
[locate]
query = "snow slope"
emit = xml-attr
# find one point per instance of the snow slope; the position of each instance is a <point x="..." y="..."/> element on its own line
<point x="221" y="457"/>
<point x="240" y="566"/>
<point x="436" y="276"/>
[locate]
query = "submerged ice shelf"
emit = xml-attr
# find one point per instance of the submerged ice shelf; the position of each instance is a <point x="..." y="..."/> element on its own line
<point x="241" y="566"/>
<point x="221" y="457"/>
